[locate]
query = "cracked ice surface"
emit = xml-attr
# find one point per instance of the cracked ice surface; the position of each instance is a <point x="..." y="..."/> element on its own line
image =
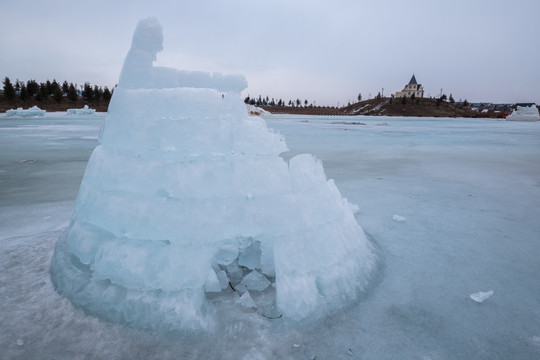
<point x="469" y="189"/>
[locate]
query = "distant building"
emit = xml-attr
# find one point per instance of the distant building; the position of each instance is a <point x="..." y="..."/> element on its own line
<point x="412" y="88"/>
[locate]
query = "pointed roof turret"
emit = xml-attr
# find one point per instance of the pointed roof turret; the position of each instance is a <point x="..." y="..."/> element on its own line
<point x="413" y="81"/>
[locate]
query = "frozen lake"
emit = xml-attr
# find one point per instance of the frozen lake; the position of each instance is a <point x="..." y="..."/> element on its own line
<point x="453" y="204"/>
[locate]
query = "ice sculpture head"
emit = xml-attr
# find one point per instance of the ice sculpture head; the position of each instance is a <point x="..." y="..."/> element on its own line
<point x="138" y="71"/>
<point x="148" y="36"/>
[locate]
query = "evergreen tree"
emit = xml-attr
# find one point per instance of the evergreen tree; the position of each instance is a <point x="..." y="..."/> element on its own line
<point x="72" y="92"/>
<point x="49" y="87"/>
<point x="55" y="86"/>
<point x="33" y="87"/>
<point x="43" y="91"/>
<point x="87" y="93"/>
<point x="9" y="90"/>
<point x="65" y="87"/>
<point x="359" y="97"/>
<point x="451" y="98"/>
<point x="23" y="94"/>
<point x="107" y="94"/>
<point x="17" y="86"/>
<point x="98" y="92"/>
<point x="58" y="95"/>
<point x="246" y="100"/>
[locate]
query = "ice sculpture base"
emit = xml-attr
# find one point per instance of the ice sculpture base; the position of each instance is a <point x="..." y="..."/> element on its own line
<point x="182" y="311"/>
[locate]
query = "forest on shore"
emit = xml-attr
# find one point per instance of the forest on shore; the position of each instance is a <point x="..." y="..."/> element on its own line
<point x="56" y="96"/>
<point x="53" y="95"/>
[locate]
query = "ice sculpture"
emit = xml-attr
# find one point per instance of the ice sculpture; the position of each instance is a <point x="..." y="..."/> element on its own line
<point x="187" y="197"/>
<point x="524" y="113"/>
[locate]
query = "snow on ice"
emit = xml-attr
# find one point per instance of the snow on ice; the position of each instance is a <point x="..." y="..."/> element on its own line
<point x="162" y="221"/>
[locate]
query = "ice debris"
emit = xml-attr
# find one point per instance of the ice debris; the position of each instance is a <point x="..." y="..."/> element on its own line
<point x="84" y="111"/>
<point x="481" y="296"/>
<point x="254" y="281"/>
<point x="246" y="300"/>
<point x="34" y="111"/>
<point x="399" y="218"/>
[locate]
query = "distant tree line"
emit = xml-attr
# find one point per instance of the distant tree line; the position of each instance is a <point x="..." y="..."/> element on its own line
<point x="266" y="101"/>
<point x="31" y="89"/>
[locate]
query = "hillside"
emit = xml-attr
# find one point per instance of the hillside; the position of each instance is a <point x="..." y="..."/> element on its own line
<point x="422" y="107"/>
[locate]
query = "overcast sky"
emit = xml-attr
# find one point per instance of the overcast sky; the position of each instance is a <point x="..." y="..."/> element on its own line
<point x="323" y="51"/>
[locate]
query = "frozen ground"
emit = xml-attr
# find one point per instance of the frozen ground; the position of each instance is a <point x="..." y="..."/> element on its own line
<point x="453" y="204"/>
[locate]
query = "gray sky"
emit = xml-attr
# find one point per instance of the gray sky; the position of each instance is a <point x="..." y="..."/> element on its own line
<point x="323" y="51"/>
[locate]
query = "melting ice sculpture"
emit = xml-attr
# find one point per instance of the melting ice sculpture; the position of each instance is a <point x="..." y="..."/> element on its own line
<point x="187" y="196"/>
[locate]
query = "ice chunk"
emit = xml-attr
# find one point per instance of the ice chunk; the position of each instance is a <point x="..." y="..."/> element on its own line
<point x="481" y="296"/>
<point x="251" y="256"/>
<point x="524" y="113"/>
<point x="246" y="300"/>
<point x="227" y="254"/>
<point x="399" y="218"/>
<point x="212" y="283"/>
<point x="535" y="340"/>
<point x="34" y="111"/>
<point x="257" y="111"/>
<point x="84" y="111"/>
<point x="234" y="272"/>
<point x="254" y="281"/>
<point x="223" y="279"/>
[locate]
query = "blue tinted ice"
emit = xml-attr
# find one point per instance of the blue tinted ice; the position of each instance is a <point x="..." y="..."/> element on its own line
<point x="186" y="196"/>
